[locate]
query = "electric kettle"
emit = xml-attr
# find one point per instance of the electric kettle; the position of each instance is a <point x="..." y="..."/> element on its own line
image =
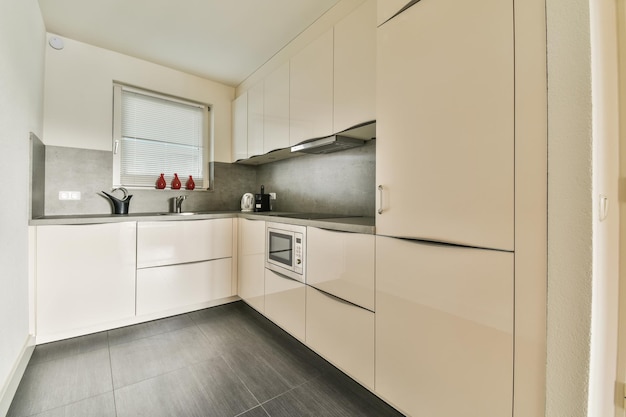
<point x="247" y="202"/>
<point x="119" y="206"/>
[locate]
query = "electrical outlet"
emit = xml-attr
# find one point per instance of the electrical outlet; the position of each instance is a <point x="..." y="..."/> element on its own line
<point x="272" y="196"/>
<point x="69" y="195"/>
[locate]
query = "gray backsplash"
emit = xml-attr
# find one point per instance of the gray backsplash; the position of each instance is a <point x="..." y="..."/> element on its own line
<point x="341" y="183"/>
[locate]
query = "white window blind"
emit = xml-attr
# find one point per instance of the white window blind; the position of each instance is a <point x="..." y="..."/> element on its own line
<point x="160" y="135"/>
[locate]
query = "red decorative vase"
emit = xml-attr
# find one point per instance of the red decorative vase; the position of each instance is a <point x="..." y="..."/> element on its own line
<point x="175" y="183"/>
<point x="160" y="182"/>
<point x="190" y="185"/>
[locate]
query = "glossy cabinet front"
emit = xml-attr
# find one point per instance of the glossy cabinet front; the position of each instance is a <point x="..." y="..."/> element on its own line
<point x="311" y="90"/>
<point x="444" y="329"/>
<point x="186" y="285"/>
<point x="285" y="303"/>
<point x="175" y="242"/>
<point x="342" y="264"/>
<point x="342" y="333"/>
<point x="445" y="123"/>
<point x="85" y="277"/>
<point x="251" y="262"/>
<point x="355" y="68"/>
<point x="240" y="127"/>
<point x="276" y="109"/>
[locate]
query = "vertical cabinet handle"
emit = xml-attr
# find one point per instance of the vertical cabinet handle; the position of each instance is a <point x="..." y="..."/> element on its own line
<point x="380" y="199"/>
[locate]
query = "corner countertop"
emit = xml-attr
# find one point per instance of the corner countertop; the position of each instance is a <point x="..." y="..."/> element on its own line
<point x="355" y="224"/>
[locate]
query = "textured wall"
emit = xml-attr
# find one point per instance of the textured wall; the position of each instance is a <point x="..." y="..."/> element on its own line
<point x="341" y="183"/>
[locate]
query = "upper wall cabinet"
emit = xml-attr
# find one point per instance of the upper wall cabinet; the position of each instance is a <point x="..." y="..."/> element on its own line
<point x="388" y="8"/>
<point x="240" y="127"/>
<point x="445" y="123"/>
<point x="255" y="120"/>
<point x="276" y="120"/>
<point x="311" y="91"/>
<point x="355" y="68"/>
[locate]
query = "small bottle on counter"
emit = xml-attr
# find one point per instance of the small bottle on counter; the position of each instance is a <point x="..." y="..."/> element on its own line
<point x="190" y="185"/>
<point x="160" y="182"/>
<point x="176" y="182"/>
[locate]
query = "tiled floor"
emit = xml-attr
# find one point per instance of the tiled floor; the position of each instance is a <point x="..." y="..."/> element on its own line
<point x="223" y="361"/>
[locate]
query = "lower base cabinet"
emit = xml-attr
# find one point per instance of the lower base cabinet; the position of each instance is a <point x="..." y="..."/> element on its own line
<point x="444" y="329"/>
<point x="285" y="303"/>
<point x="341" y="332"/>
<point x="170" y="287"/>
<point x="85" y="277"/>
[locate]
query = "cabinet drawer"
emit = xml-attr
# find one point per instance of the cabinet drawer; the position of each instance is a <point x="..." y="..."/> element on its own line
<point x="175" y="242"/>
<point x="169" y="287"/>
<point x="342" y="333"/>
<point x="342" y="264"/>
<point x="285" y="303"/>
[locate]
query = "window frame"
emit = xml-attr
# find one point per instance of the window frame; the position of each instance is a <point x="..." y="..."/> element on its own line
<point x="203" y="184"/>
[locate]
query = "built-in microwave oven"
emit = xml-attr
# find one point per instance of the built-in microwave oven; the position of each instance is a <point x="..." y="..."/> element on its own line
<point x="285" y="249"/>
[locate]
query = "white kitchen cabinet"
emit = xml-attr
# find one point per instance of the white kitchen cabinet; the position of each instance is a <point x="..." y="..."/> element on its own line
<point x="240" y="127"/>
<point x="311" y="90"/>
<point x="354" y="90"/>
<point x="175" y="242"/>
<point x="444" y="328"/>
<point x="186" y="285"/>
<point x="251" y="262"/>
<point x="276" y="106"/>
<point x="445" y="123"/>
<point x="85" y="277"/>
<point x="342" y="333"/>
<point x="387" y="8"/>
<point x="255" y="120"/>
<point x="285" y="303"/>
<point x="342" y="264"/>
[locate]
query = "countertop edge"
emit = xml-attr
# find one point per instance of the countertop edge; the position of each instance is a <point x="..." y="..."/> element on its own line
<point x="365" y="225"/>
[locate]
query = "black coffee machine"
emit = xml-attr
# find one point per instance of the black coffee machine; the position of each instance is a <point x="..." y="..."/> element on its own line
<point x="262" y="201"/>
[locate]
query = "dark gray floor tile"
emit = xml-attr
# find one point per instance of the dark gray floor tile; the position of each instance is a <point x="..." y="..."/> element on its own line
<point x="255" y="412"/>
<point x="151" y="356"/>
<point x="60" y="382"/>
<point x="64" y="348"/>
<point x="151" y="328"/>
<point x="99" y="406"/>
<point x="208" y="389"/>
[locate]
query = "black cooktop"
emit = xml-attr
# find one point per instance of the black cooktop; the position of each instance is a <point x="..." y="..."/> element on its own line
<point x="311" y="216"/>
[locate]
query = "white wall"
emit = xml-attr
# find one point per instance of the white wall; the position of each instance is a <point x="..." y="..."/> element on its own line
<point x="78" y="103"/>
<point x="22" y="39"/>
<point x="570" y="213"/>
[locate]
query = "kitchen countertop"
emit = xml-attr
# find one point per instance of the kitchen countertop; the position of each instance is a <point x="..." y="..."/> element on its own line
<point x="343" y="223"/>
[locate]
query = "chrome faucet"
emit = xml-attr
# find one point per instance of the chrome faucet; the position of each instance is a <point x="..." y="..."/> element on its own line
<point x="178" y="203"/>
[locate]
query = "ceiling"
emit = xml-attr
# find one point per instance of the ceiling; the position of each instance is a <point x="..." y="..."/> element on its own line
<point x="222" y="40"/>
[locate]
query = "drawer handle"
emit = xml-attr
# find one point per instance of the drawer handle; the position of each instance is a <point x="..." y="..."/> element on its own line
<point x="341" y="300"/>
<point x="380" y="199"/>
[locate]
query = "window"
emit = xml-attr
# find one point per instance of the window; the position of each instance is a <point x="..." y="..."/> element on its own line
<point x="154" y="134"/>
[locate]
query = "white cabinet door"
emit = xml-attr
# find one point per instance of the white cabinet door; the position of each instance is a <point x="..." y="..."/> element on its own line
<point x="285" y="303"/>
<point x="445" y="123"/>
<point x="387" y="8"/>
<point x="240" y="127"/>
<point x="251" y="262"/>
<point x="175" y="286"/>
<point x="342" y="264"/>
<point x="255" y="120"/>
<point x="355" y="68"/>
<point x="311" y="90"/>
<point x="444" y="329"/>
<point x="85" y="277"/>
<point x="175" y="242"/>
<point x="276" y="115"/>
<point x="342" y="333"/>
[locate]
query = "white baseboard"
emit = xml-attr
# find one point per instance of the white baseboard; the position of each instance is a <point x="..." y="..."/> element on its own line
<point x="11" y="384"/>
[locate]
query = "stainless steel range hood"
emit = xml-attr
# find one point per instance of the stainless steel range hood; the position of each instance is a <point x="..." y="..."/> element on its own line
<point x="327" y="145"/>
<point x="350" y="138"/>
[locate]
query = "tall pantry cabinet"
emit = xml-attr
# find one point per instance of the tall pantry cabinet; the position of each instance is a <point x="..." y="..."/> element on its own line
<point x="452" y="145"/>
